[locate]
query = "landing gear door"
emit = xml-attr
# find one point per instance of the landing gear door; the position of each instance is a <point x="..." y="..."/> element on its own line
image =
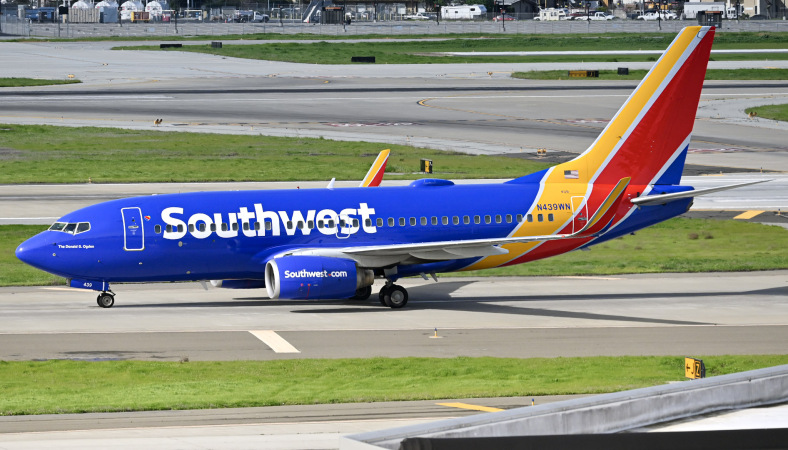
<point x="579" y="213"/>
<point x="133" y="234"/>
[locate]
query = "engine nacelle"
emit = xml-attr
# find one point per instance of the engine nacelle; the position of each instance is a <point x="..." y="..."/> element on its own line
<point x="314" y="277"/>
<point x="238" y="284"/>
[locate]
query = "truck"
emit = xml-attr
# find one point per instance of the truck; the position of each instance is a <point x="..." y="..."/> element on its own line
<point x="463" y="12"/>
<point x="551" y="14"/>
<point x="249" y="16"/>
<point x="597" y="15"/>
<point x="691" y="9"/>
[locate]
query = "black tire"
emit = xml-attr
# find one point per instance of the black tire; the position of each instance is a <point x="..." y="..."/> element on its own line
<point x="384" y="291"/>
<point x="105" y="300"/>
<point x="362" y="294"/>
<point x="397" y="297"/>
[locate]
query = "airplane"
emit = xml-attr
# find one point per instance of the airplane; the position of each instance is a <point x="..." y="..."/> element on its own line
<point x="334" y="243"/>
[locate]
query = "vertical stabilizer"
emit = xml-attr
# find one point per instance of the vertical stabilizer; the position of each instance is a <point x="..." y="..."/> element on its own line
<point x="648" y="137"/>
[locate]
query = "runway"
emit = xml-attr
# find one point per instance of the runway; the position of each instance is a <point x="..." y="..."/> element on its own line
<point x="669" y="314"/>
<point x="474" y="108"/>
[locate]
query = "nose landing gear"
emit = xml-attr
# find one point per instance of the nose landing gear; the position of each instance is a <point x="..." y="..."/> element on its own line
<point x="106" y="299"/>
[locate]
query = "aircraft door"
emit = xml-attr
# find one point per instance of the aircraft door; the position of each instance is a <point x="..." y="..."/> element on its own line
<point x="579" y="213"/>
<point x="133" y="234"/>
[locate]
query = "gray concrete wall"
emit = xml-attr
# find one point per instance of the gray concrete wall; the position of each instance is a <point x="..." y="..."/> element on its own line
<point x="608" y="413"/>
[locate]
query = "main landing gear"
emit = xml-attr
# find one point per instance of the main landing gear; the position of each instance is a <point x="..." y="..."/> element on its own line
<point x="106" y="299"/>
<point x="392" y="295"/>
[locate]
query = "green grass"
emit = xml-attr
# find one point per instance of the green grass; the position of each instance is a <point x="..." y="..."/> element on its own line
<point x="47" y="154"/>
<point x="19" y="82"/>
<point x="14" y="272"/>
<point x="774" y="112"/>
<point x="678" y="245"/>
<point x="80" y="386"/>
<point x="711" y="74"/>
<point x="421" y="52"/>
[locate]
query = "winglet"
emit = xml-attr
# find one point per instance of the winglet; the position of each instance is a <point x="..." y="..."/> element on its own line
<point x="375" y="174"/>
<point x="603" y="217"/>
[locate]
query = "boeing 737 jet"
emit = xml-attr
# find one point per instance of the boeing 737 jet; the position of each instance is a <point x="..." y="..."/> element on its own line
<point x="333" y="243"/>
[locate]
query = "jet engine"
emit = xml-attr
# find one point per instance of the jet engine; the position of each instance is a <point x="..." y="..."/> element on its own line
<point x="314" y="277"/>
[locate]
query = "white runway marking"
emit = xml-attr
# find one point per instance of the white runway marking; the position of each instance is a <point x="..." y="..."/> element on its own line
<point x="273" y="340"/>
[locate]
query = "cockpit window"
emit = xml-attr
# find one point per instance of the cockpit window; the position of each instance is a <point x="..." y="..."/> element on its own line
<point x="58" y="226"/>
<point x="70" y="228"/>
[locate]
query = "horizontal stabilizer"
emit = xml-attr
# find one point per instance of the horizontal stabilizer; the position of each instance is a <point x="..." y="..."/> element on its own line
<point x="667" y="198"/>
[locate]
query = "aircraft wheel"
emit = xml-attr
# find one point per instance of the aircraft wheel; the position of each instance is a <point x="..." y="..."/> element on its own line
<point x="384" y="291"/>
<point x="362" y="294"/>
<point x="105" y="300"/>
<point x="396" y="297"/>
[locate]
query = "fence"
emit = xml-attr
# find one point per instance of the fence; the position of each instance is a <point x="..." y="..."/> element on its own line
<point x="10" y="25"/>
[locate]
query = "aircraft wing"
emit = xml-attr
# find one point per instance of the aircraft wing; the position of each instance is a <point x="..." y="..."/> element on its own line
<point x="389" y="254"/>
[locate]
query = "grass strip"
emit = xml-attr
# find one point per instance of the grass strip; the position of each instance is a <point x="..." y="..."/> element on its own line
<point x="711" y="74"/>
<point x="677" y="245"/>
<point x="774" y="112"/>
<point x="20" y="82"/>
<point x="674" y="246"/>
<point x="46" y="387"/>
<point x="49" y="154"/>
<point x="425" y="51"/>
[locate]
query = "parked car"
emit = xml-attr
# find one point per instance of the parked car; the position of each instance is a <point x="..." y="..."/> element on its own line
<point x="505" y="17"/>
<point x="758" y="17"/>
<point x="417" y="16"/>
<point x="576" y="16"/>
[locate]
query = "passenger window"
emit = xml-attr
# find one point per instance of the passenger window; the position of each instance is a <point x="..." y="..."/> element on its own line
<point x="540" y="217"/>
<point x="487" y="219"/>
<point x="310" y="224"/>
<point x="83" y="227"/>
<point x="466" y="220"/>
<point x="355" y="223"/>
<point x="257" y="226"/>
<point x="434" y="220"/>
<point x="213" y="227"/>
<point x="235" y="226"/>
<point x="477" y="219"/>
<point x="530" y="217"/>
<point x="157" y="229"/>
<point x="380" y="221"/>
<point x="224" y="227"/>
<point x="508" y="218"/>
<point x="202" y="226"/>
<point x="191" y="228"/>
<point x="320" y="224"/>
<point x="445" y="220"/>
<point x="300" y="225"/>
<point x="391" y="222"/>
<point x="289" y="224"/>
<point x="424" y="221"/>
<point x="498" y="218"/>
<point x="169" y="228"/>
<point x="413" y="221"/>
<point x="342" y="223"/>
<point x="455" y="220"/>
<point x="550" y="217"/>
<point x="330" y="223"/>
<point x="402" y="221"/>
<point x="519" y="218"/>
<point x="180" y="228"/>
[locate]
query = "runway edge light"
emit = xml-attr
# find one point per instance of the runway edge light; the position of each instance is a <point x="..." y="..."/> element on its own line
<point x="694" y="368"/>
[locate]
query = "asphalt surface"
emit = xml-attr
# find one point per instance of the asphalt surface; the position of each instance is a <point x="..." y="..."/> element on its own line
<point x="473" y="108"/>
